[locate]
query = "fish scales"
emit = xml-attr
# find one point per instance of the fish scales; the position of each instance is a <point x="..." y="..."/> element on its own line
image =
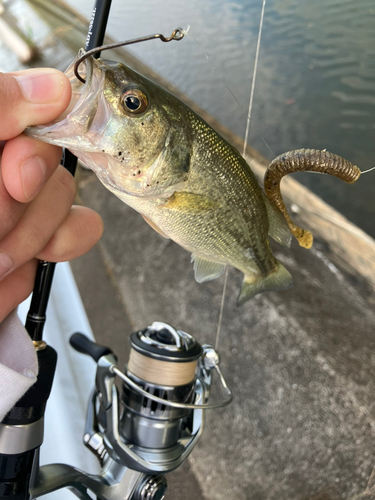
<point x="239" y="223"/>
<point x="159" y="157"/>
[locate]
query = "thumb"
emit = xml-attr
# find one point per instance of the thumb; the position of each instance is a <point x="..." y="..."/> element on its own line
<point x="31" y="97"/>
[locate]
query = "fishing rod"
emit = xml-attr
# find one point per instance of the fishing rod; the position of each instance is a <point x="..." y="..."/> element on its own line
<point x="36" y="316"/>
<point x="21" y="431"/>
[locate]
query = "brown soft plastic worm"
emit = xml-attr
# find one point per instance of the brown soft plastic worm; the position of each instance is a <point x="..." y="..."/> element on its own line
<point x="304" y="160"/>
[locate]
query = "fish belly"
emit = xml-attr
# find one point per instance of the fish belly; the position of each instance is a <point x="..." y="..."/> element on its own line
<point x="216" y="235"/>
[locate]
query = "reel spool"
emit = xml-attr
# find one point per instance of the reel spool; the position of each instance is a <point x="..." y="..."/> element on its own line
<point x="163" y="362"/>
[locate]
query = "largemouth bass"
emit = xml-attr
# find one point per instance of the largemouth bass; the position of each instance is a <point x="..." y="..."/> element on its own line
<point x="162" y="159"/>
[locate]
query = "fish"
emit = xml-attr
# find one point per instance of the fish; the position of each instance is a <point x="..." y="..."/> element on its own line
<point x="160" y="158"/>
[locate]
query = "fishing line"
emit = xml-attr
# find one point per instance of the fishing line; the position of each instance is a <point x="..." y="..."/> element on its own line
<point x="265" y="142"/>
<point x="185" y="32"/>
<point x="221" y="78"/>
<point x="369" y="170"/>
<point x="243" y="154"/>
<point x="254" y="78"/>
<point x="221" y="310"/>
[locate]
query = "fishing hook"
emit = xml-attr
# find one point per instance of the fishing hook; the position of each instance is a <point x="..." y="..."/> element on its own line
<point x="178" y="34"/>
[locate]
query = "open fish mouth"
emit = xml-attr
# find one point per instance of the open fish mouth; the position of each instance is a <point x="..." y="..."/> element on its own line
<point x="95" y="128"/>
<point x="81" y="127"/>
<point x="70" y="129"/>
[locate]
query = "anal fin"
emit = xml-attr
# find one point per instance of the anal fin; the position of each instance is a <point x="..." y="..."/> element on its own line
<point x="206" y="270"/>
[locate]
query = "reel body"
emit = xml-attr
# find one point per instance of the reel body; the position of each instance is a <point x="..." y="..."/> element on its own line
<point x="148" y="429"/>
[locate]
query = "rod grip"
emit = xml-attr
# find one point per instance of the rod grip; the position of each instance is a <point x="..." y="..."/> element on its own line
<point x="15" y="473"/>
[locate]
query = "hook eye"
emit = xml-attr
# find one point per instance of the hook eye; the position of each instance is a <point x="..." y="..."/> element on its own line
<point x="177" y="34"/>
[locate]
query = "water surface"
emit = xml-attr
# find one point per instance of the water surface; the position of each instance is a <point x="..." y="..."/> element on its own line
<point x="315" y="85"/>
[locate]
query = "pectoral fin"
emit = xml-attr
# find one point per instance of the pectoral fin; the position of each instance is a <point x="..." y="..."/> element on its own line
<point x="191" y="203"/>
<point x="278" y="227"/>
<point x="155" y="227"/>
<point x="206" y="270"/>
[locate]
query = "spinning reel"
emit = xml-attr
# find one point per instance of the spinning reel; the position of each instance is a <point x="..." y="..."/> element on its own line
<point x="148" y="429"/>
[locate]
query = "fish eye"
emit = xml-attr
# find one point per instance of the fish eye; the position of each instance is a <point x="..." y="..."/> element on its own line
<point x="134" y="101"/>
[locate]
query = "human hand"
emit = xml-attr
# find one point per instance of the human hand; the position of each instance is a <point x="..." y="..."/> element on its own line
<point x="37" y="220"/>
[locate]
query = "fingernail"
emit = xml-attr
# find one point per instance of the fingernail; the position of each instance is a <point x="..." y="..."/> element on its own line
<point x="41" y="86"/>
<point x="6" y="264"/>
<point x="33" y="173"/>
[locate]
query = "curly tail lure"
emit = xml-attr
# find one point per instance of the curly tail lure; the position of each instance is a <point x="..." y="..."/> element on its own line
<point x="305" y="160"/>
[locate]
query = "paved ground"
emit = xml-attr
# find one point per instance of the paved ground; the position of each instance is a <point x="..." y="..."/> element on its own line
<point x="300" y="362"/>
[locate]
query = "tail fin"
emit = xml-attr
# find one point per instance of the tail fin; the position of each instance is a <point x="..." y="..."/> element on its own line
<point x="279" y="279"/>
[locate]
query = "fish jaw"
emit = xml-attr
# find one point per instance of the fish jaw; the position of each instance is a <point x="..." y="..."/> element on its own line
<point x="127" y="155"/>
<point x="70" y="129"/>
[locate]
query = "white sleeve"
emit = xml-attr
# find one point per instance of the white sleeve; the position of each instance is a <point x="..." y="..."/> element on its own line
<point x="18" y="362"/>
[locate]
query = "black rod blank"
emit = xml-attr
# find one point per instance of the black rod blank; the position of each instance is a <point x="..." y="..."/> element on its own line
<point x="36" y="316"/>
<point x="98" y="24"/>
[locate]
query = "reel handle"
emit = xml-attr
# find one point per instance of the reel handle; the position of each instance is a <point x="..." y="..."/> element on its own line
<point x="84" y="345"/>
